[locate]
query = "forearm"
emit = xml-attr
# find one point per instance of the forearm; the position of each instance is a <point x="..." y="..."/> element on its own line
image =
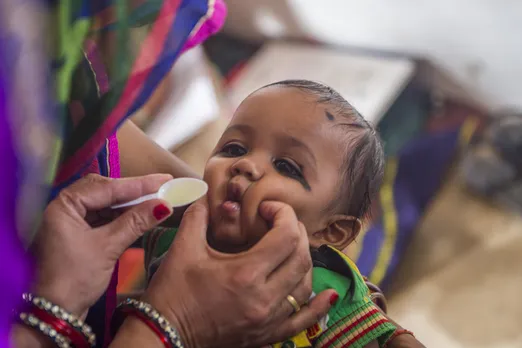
<point x="402" y="341"/>
<point x="405" y="341"/>
<point x="139" y="155"/>
<point x="134" y="333"/>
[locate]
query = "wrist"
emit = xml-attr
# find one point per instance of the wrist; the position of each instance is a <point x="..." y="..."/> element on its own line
<point x="183" y="330"/>
<point x="53" y="321"/>
<point x="61" y="296"/>
<point x="135" y="333"/>
<point x="158" y="323"/>
<point x="175" y="319"/>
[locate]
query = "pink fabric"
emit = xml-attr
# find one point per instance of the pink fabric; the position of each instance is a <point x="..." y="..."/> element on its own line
<point x="94" y="167"/>
<point x="212" y="25"/>
<point x="113" y="159"/>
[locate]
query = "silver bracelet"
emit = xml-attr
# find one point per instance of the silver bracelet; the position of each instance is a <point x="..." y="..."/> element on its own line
<point x="160" y="322"/>
<point x="60" y="313"/>
<point x="35" y="323"/>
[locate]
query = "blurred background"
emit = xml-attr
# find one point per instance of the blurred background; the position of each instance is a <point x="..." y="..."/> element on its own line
<point x="440" y="80"/>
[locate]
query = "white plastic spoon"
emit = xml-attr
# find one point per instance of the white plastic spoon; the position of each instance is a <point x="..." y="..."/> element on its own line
<point x="178" y="192"/>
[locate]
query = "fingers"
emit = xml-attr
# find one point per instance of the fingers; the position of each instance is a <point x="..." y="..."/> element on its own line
<point x="192" y="231"/>
<point x="95" y="192"/>
<point x="280" y="241"/>
<point x="308" y="315"/>
<point x="301" y="294"/>
<point x="132" y="224"/>
<point x="276" y="213"/>
<point x="294" y="270"/>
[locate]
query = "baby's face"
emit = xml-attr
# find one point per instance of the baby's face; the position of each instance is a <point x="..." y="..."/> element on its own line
<point x="279" y="146"/>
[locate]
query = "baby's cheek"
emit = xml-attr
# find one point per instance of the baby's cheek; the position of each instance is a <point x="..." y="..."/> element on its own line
<point x="311" y="212"/>
<point x="285" y="191"/>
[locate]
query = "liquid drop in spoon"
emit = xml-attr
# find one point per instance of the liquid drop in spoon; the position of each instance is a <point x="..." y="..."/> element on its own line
<point x="178" y="192"/>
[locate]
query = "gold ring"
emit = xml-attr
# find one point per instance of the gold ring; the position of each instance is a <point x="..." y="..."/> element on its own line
<point x="294" y="303"/>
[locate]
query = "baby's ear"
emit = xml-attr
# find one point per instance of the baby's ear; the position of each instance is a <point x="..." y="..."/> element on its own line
<point x="340" y="231"/>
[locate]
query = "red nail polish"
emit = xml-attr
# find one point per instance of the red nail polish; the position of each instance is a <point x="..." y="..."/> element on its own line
<point x="161" y="211"/>
<point x="334" y="298"/>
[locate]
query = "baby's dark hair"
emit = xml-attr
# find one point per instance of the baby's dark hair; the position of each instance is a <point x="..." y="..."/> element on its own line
<point x="363" y="167"/>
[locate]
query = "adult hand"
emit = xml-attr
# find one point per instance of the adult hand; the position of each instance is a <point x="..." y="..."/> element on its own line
<point x="74" y="260"/>
<point x="237" y="300"/>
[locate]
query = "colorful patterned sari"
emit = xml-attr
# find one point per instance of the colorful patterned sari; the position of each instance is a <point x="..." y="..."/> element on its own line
<point x="126" y="48"/>
<point x="106" y="59"/>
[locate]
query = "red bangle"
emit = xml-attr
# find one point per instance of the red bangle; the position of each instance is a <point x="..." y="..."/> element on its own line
<point x="397" y="333"/>
<point x="57" y="319"/>
<point x="131" y="311"/>
<point x="36" y="324"/>
<point x="152" y="318"/>
<point x="61" y="327"/>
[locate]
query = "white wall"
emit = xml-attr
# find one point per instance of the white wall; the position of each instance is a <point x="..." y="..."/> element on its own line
<point x="477" y="41"/>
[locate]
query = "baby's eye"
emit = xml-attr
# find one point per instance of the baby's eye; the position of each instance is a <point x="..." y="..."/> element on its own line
<point x="233" y="150"/>
<point x="288" y="168"/>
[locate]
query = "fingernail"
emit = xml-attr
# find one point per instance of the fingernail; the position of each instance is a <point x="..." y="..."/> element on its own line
<point x="334" y="298"/>
<point x="161" y="211"/>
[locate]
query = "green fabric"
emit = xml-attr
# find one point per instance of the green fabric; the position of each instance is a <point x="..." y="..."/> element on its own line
<point x="348" y="330"/>
<point x="164" y="241"/>
<point x="156" y="242"/>
<point x="347" y="307"/>
<point x="324" y="279"/>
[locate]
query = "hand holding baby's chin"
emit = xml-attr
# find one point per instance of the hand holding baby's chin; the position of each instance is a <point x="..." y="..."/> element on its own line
<point x="237" y="300"/>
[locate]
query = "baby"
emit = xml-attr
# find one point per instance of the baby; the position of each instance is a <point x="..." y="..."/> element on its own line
<point x="301" y="143"/>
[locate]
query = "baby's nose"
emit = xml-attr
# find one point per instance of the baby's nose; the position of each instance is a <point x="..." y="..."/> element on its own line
<point x="246" y="168"/>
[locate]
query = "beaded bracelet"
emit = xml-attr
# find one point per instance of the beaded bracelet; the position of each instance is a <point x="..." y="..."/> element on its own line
<point x="67" y="324"/>
<point x="153" y="319"/>
<point x="35" y="323"/>
<point x="397" y="333"/>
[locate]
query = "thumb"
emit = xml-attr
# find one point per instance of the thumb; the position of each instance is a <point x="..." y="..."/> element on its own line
<point x="276" y="213"/>
<point x="192" y="232"/>
<point x="132" y="224"/>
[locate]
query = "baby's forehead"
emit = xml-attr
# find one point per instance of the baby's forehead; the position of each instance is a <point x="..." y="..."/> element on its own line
<point x="282" y="112"/>
<point x="288" y="104"/>
<point x="281" y="93"/>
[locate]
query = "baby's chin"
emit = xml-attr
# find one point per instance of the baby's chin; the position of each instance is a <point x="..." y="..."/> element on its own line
<point x="228" y="239"/>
